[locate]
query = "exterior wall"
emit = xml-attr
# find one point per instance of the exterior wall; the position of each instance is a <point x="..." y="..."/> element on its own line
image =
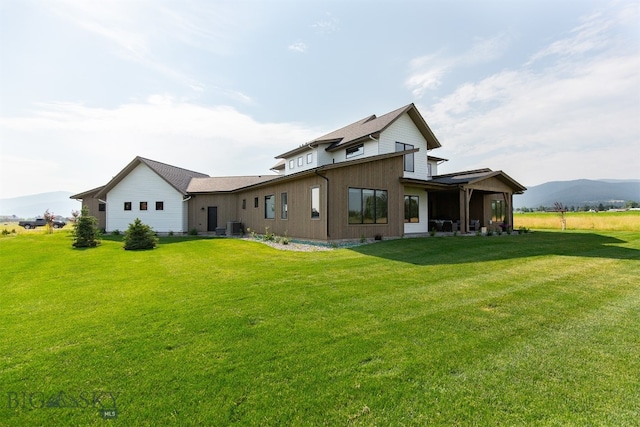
<point x="198" y="209"/>
<point x="423" y="211"/>
<point x="92" y="204"/>
<point x="305" y="164"/>
<point x="370" y="149"/>
<point x="144" y="185"/>
<point x="379" y="175"/>
<point x="405" y="131"/>
<point x="299" y="222"/>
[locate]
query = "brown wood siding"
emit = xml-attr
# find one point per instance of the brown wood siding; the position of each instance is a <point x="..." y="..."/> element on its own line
<point x="198" y="204"/>
<point x="382" y="174"/>
<point x="92" y="204"/>
<point x="299" y="222"/>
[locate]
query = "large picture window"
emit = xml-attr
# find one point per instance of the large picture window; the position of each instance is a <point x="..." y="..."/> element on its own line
<point x="411" y="209"/>
<point x="270" y="206"/>
<point x="408" y="158"/>
<point x="315" y="202"/>
<point x="367" y="206"/>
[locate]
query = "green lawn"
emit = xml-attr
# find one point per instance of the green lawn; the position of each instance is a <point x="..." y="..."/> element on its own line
<point x="535" y="329"/>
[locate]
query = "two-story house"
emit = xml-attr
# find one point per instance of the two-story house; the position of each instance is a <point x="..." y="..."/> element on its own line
<point x="374" y="177"/>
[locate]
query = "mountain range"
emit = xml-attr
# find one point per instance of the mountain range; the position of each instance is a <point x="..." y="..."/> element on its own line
<point x="58" y="202"/>
<point x="579" y="193"/>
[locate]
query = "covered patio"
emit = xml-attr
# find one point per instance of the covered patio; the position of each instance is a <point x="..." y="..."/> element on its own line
<point x="467" y="201"/>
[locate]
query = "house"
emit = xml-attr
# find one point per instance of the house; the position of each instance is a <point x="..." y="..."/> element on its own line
<point x="374" y="177"/>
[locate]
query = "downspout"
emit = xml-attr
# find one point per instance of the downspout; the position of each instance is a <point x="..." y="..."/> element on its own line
<point x="326" y="179"/>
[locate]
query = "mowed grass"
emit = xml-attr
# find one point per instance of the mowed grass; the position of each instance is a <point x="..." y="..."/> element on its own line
<point x="602" y="221"/>
<point x="534" y="329"/>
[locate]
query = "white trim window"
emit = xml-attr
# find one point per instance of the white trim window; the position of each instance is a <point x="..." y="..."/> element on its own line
<point x="355" y="151"/>
<point x="315" y="202"/>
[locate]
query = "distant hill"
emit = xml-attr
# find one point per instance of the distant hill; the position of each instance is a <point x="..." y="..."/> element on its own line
<point x="58" y="202"/>
<point x="579" y="193"/>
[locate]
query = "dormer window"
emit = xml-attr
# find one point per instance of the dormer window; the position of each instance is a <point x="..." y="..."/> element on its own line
<point x="408" y="158"/>
<point x="356" y="150"/>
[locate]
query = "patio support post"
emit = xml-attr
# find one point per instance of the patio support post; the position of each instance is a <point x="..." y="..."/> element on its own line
<point x="508" y="200"/>
<point x="464" y="210"/>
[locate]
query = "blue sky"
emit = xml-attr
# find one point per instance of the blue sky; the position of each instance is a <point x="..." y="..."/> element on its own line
<point x="544" y="90"/>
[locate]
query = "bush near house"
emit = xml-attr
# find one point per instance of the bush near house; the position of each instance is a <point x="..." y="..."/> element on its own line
<point x="85" y="231"/>
<point x="139" y="236"/>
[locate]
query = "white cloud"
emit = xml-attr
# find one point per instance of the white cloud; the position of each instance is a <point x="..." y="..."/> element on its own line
<point x="427" y="72"/>
<point x="326" y="26"/>
<point x="298" y="47"/>
<point x="85" y="146"/>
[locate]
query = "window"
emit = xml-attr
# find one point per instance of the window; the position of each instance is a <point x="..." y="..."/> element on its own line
<point x="102" y="207"/>
<point x="300" y="161"/>
<point x="355" y="151"/>
<point x="244" y="203"/>
<point x="292" y="164"/>
<point x="255" y="202"/>
<point x="143" y="206"/>
<point x="315" y="202"/>
<point x="367" y="206"/>
<point x="284" y="209"/>
<point x="310" y="158"/>
<point x="429" y="170"/>
<point x="497" y="211"/>
<point x="411" y="209"/>
<point x="127" y="206"/>
<point x="159" y="206"/>
<point x="270" y="206"/>
<point x="408" y="158"/>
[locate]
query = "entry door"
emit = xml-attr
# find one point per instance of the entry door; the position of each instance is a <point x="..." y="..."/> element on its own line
<point x="212" y="218"/>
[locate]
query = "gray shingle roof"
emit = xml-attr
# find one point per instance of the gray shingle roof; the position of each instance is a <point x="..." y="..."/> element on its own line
<point x="178" y="178"/>
<point x="226" y="183"/>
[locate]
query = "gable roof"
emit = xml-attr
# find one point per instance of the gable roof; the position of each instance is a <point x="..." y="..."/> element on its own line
<point x="87" y="193"/>
<point x="475" y="176"/>
<point x="369" y="126"/>
<point x="226" y="183"/>
<point x="178" y="178"/>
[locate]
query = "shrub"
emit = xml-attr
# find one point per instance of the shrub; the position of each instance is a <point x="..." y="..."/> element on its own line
<point x="139" y="236"/>
<point x="193" y="232"/>
<point x="115" y="233"/>
<point x="85" y="232"/>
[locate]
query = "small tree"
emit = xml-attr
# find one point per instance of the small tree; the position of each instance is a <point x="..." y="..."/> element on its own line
<point x="139" y="236"/>
<point x="85" y="231"/>
<point x="49" y="218"/>
<point x="561" y="210"/>
<point x="74" y="215"/>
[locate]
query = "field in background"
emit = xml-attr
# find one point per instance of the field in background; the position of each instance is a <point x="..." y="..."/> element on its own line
<point x="597" y="221"/>
<point x="531" y="329"/>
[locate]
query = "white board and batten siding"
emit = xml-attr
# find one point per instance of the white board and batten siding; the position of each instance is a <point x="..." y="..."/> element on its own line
<point x="405" y="131"/>
<point x="422" y="226"/>
<point x="144" y="185"/>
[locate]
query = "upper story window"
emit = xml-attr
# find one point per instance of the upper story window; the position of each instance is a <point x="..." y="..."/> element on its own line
<point x="408" y="158"/>
<point x="354" y="151"/>
<point x="159" y="206"/>
<point x="143" y="206"/>
<point x="292" y="164"/>
<point x="127" y="206"/>
<point x="300" y="161"/>
<point x="429" y="170"/>
<point x="309" y="158"/>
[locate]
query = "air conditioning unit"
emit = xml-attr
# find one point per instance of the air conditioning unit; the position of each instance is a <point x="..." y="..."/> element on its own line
<point x="234" y="228"/>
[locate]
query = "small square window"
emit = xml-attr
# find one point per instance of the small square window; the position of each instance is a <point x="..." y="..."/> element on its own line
<point x="127" y="206"/>
<point x="143" y="206"/>
<point x="159" y="206"/>
<point x="102" y="207"/>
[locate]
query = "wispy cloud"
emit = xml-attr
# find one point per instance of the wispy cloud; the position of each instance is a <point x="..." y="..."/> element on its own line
<point x="326" y="26"/>
<point x="298" y="47"/>
<point x="427" y="72"/>
<point x="577" y="112"/>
